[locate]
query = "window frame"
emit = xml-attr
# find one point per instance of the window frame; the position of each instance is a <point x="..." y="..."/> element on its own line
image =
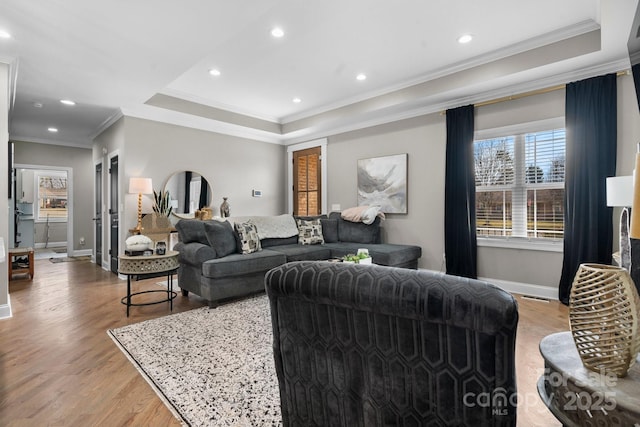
<point x="518" y="242"/>
<point x="36" y="183"/>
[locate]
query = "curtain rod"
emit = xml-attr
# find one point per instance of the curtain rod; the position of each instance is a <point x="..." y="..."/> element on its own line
<point x="531" y="93"/>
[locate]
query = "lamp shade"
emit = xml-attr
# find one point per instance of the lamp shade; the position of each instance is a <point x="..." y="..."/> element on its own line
<point x="140" y="185"/>
<point x="620" y="191"/>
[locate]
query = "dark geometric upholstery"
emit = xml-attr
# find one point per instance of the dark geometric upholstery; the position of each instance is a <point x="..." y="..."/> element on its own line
<point x="380" y="346"/>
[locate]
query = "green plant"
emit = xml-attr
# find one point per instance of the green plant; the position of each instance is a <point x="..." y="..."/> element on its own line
<point x="162" y="203"/>
<point x="355" y="258"/>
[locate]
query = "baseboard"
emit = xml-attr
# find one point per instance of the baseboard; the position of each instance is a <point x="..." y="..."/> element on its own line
<point x="5" y="309"/>
<point x="526" y="289"/>
<point x="50" y="245"/>
<point x="83" y="252"/>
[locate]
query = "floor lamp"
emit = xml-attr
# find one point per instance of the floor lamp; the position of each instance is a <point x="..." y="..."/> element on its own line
<point x="620" y="194"/>
<point x="140" y="186"/>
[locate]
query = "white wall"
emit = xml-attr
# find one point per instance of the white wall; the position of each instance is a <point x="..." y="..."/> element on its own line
<point x="5" y="309"/>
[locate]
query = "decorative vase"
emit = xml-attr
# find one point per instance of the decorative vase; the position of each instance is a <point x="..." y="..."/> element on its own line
<point x="603" y="314"/>
<point x="224" y="208"/>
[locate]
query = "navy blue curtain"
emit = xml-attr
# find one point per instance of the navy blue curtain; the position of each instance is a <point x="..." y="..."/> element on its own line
<point x="204" y="193"/>
<point x="187" y="190"/>
<point x="460" y="242"/>
<point x="591" y="124"/>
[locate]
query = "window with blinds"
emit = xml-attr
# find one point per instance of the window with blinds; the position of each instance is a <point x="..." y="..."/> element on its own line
<point x="520" y="185"/>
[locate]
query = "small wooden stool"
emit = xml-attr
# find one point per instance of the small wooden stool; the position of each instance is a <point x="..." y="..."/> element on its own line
<point x="18" y="252"/>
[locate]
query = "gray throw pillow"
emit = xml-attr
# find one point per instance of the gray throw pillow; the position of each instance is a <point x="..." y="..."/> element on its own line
<point x="221" y="237"/>
<point x="329" y="230"/>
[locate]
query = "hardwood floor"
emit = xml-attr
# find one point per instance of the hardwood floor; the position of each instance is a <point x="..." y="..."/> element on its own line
<point x="60" y="368"/>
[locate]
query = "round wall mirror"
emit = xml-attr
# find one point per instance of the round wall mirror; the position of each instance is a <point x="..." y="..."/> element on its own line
<point x="189" y="192"/>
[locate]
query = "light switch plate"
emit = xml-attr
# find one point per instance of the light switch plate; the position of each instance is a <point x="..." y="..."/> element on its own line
<point x="257" y="193"/>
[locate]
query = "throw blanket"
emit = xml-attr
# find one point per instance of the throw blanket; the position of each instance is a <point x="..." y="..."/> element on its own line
<point x="270" y="227"/>
<point x="365" y="214"/>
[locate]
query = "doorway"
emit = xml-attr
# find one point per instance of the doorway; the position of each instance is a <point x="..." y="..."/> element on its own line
<point x="42" y="208"/>
<point x="307" y="177"/>
<point x="97" y="215"/>
<point x="113" y="213"/>
<point x="307" y="182"/>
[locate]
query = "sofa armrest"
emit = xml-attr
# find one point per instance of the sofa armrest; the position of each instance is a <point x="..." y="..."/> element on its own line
<point x="194" y="253"/>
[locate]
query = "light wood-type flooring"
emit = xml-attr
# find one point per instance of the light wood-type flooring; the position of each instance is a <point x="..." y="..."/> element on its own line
<point x="58" y="366"/>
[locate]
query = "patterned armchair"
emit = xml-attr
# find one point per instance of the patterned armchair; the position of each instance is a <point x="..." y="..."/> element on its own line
<point x="381" y="346"/>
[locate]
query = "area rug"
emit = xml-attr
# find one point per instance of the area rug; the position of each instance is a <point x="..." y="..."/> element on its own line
<point x="211" y="367"/>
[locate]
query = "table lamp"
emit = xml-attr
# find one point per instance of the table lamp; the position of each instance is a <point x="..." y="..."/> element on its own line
<point x="140" y="186"/>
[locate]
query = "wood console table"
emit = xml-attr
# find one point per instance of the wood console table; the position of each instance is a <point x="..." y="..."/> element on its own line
<point x="577" y="396"/>
<point x="149" y="265"/>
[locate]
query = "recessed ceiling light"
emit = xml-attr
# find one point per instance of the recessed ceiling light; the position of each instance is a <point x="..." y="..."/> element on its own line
<point x="4" y="35"/>
<point x="361" y="77"/>
<point x="52" y="130"/>
<point x="38" y="104"/>
<point x="277" y="32"/>
<point x="465" y="38"/>
<point x="67" y="102"/>
<point x="214" y="72"/>
<point x="296" y="100"/>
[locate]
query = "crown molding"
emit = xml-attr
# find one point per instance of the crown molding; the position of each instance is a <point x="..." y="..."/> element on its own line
<point x="575" y="30"/>
<point x="106" y="124"/>
<point x="221" y="106"/>
<point x="433" y="104"/>
<point x="74" y="144"/>
<point x="163" y="115"/>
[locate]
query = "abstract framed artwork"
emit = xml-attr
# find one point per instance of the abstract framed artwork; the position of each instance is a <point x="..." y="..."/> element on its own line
<point x="382" y="181"/>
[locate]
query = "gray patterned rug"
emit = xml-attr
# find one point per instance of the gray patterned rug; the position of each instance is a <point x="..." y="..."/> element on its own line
<point x="212" y="367"/>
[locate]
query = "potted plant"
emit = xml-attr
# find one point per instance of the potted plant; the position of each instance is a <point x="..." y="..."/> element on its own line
<point x="162" y="204"/>
<point x="360" y="258"/>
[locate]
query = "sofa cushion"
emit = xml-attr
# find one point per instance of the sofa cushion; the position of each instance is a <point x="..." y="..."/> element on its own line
<point x="248" y="238"/>
<point x="357" y="232"/>
<point x="221" y="237"/>
<point x="329" y="230"/>
<point x="191" y="230"/>
<point x="239" y="264"/>
<point x="298" y="252"/>
<point x="310" y="232"/>
<point x="267" y="243"/>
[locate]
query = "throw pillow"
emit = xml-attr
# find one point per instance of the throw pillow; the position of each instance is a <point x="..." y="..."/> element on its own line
<point x="329" y="230"/>
<point x="221" y="237"/>
<point x="370" y="215"/>
<point x="354" y="214"/>
<point x="310" y="232"/>
<point x="248" y="237"/>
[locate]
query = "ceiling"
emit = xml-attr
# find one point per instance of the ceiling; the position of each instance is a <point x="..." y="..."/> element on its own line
<point x="151" y="59"/>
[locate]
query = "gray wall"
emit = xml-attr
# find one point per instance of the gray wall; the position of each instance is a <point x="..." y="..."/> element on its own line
<point x="79" y="160"/>
<point x="424" y="139"/>
<point x="233" y="166"/>
<point x="5" y="310"/>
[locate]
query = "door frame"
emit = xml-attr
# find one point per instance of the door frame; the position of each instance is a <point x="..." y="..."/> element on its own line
<point x="70" y="198"/>
<point x="322" y="143"/>
<point x="99" y="262"/>
<point x="119" y="208"/>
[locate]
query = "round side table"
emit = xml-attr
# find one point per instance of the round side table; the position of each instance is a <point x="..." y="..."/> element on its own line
<point x="579" y="397"/>
<point x="141" y="266"/>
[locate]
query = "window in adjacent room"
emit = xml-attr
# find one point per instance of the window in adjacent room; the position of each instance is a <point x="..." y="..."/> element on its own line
<point x="52" y="196"/>
<point x="520" y="185"/>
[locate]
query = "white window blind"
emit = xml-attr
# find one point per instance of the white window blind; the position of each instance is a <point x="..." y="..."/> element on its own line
<point x="520" y="185"/>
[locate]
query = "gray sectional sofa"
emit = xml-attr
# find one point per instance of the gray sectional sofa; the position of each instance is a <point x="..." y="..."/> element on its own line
<point x="213" y="266"/>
